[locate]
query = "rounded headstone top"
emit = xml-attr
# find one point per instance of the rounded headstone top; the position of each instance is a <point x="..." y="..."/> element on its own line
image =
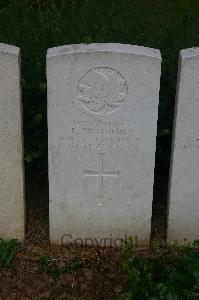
<point x="104" y="47"/>
<point x="9" y="49"/>
<point x="189" y="52"/>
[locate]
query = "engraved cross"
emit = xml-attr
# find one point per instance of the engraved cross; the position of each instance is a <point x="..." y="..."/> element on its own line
<point x="101" y="174"/>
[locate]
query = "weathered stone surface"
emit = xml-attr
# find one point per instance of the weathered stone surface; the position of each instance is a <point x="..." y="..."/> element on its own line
<point x="183" y="223"/>
<point x="102" y="115"/>
<point x="11" y="153"/>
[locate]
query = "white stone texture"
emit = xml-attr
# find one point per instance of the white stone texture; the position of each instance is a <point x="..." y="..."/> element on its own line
<point x="183" y="221"/>
<point x="11" y="146"/>
<point x="102" y="118"/>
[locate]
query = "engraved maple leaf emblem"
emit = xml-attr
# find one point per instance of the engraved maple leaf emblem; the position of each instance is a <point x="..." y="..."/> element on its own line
<point x="102" y="90"/>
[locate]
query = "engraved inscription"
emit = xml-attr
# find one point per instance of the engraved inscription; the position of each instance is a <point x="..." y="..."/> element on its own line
<point x="102" y="90"/>
<point x="191" y="143"/>
<point x="101" y="136"/>
<point x="101" y="174"/>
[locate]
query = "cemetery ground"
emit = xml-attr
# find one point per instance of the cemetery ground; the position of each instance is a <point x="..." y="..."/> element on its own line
<point x="43" y="272"/>
<point x="40" y="271"/>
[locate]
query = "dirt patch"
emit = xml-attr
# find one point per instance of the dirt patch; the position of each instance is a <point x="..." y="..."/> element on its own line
<point x="99" y="275"/>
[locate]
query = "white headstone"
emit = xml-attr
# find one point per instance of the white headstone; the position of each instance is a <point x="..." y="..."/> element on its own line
<point x="11" y="153"/>
<point x="102" y="115"/>
<point x="183" y="223"/>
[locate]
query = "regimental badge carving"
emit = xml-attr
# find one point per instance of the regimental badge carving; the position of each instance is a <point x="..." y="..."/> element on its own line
<point x="102" y="90"/>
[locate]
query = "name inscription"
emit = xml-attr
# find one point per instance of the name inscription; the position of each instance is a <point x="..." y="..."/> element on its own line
<point x="98" y="135"/>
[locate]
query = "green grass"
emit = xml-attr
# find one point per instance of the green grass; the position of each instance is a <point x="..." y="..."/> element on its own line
<point x="171" y="273"/>
<point x="8" y="250"/>
<point x="55" y="267"/>
<point x="37" y="25"/>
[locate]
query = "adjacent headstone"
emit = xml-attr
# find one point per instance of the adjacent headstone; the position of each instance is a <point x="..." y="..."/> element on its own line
<point x="11" y="154"/>
<point x="102" y="116"/>
<point x="183" y="222"/>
